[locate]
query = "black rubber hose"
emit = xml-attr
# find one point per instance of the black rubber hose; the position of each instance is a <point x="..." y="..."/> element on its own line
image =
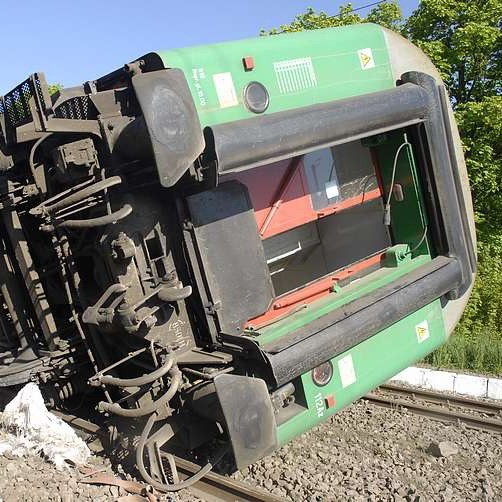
<point x="31" y="158"/>
<point x="148" y="409"/>
<point x="83" y="193"/>
<point x="107" y="219"/>
<point x="139" y="381"/>
<point x="124" y="211"/>
<point x="175" y="486"/>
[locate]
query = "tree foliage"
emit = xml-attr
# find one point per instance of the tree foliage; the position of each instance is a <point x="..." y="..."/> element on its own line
<point x="53" y="88"/>
<point x="387" y="14"/>
<point x="463" y="38"/>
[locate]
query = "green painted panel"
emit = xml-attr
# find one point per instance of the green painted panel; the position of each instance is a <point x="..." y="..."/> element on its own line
<point x="298" y="69"/>
<point x="408" y="219"/>
<point x="373" y="362"/>
<point x="301" y="69"/>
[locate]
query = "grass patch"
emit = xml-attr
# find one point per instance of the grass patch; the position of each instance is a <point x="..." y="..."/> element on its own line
<point x="481" y="354"/>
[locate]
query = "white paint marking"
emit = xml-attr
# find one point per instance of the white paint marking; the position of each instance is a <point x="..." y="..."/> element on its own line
<point x="332" y="190"/>
<point x="442" y="381"/>
<point x="471" y="385"/>
<point x="494" y="388"/>
<point x="295" y="75"/>
<point x="449" y="381"/>
<point x="319" y="405"/>
<point x="346" y="370"/>
<point x="225" y="89"/>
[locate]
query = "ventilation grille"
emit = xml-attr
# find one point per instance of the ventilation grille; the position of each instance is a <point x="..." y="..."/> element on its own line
<point x="16" y="104"/>
<point x="77" y="108"/>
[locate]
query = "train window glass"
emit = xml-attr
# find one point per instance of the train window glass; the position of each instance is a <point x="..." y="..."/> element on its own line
<point x="321" y="176"/>
<point x="307" y="253"/>
<point x="339" y="173"/>
<point x="344" y="178"/>
<point x="317" y="214"/>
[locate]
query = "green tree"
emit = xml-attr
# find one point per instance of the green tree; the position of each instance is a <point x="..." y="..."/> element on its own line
<point x="386" y="14"/>
<point x="53" y="88"/>
<point x="463" y="38"/>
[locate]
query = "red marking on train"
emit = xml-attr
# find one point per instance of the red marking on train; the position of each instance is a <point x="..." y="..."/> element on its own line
<point x="248" y="63"/>
<point x="330" y="401"/>
<point x="281" y="198"/>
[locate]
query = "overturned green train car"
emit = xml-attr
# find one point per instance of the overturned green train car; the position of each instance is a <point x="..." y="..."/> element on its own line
<point x="232" y="242"/>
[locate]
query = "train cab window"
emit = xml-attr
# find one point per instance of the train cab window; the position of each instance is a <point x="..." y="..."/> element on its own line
<point x="346" y="224"/>
<point x="322" y="178"/>
<point x="339" y="174"/>
<point x="317" y="214"/>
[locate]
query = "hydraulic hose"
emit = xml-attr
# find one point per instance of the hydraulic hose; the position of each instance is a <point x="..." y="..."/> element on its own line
<point x="31" y="159"/>
<point x="115" y="408"/>
<point x="175" y="486"/>
<point x="83" y="194"/>
<point x="124" y="211"/>
<point x="139" y="381"/>
<point x="107" y="219"/>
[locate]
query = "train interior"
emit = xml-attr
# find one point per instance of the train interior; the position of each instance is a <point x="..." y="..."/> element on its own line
<point x="322" y="216"/>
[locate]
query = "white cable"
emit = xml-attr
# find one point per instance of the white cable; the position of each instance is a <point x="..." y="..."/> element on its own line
<point x="386" y="212"/>
<point x="411" y="251"/>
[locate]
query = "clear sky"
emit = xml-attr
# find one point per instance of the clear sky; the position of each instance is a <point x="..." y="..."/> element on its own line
<point x="74" y="41"/>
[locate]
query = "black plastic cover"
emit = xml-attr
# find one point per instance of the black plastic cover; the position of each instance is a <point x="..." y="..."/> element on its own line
<point x="172" y="121"/>
<point x="248" y="143"/>
<point x="232" y="255"/>
<point x="249" y="417"/>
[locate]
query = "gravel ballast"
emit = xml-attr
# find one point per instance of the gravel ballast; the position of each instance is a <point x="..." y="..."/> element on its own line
<point x="366" y="452"/>
<point x="363" y="453"/>
<point x="32" y="478"/>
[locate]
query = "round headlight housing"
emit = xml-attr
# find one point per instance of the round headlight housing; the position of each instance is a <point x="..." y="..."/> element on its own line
<point x="256" y="97"/>
<point x="322" y="374"/>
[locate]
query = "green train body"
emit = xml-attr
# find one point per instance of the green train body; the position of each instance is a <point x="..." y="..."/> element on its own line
<point x="267" y="228"/>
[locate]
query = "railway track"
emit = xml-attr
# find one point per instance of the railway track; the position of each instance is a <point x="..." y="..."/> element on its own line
<point x="482" y="415"/>
<point x="212" y="487"/>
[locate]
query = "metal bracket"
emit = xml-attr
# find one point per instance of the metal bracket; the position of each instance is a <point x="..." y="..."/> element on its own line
<point x="97" y="314"/>
<point x="212" y="308"/>
<point x="397" y="255"/>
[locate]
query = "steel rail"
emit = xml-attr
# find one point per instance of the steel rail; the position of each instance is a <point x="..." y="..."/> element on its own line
<point x="211" y="488"/>
<point x="491" y="408"/>
<point x="215" y="487"/>
<point x="79" y="423"/>
<point x="436" y="412"/>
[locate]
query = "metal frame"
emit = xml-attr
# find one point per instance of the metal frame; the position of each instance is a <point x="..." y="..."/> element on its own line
<point x="249" y="143"/>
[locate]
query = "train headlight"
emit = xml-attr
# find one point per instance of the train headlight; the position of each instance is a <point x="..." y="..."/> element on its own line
<point x="322" y="374"/>
<point x="256" y="97"/>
